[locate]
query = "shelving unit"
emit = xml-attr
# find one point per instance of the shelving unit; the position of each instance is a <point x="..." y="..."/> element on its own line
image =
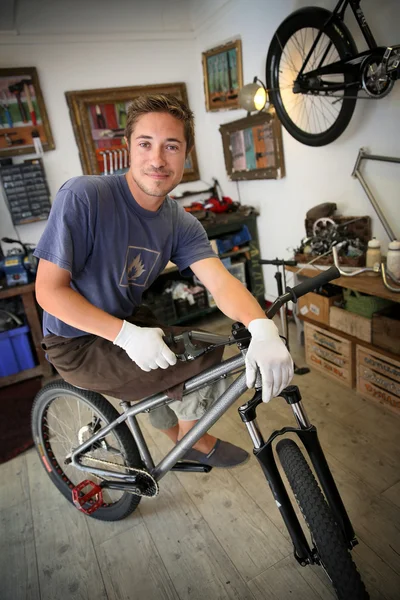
<point x="223" y="224"/>
<point x="44" y="369"/>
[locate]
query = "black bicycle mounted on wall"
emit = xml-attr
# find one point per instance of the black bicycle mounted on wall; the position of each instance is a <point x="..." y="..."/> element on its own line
<point x="99" y="460"/>
<point x="315" y="73"/>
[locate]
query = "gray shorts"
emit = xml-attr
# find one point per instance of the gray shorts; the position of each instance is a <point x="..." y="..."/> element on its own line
<point x="190" y="408"/>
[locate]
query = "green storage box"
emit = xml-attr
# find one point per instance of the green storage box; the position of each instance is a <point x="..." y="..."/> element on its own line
<point x="364" y="304"/>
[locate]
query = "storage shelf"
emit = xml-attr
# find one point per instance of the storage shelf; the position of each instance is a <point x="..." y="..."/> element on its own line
<point x="221" y="256"/>
<point x="21" y="376"/>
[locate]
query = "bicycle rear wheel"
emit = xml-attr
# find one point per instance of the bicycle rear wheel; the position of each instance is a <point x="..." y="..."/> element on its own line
<point x="312" y="118"/>
<point x="325" y="532"/>
<point x="63" y="417"/>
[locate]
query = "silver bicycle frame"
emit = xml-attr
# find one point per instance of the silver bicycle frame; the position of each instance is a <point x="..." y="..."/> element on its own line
<point x="235" y="390"/>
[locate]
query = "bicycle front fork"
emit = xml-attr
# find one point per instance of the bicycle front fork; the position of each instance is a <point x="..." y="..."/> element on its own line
<point x="264" y="453"/>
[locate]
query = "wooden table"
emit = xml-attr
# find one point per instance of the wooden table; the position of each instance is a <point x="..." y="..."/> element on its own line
<point x="368" y="284"/>
<point x="44" y="369"/>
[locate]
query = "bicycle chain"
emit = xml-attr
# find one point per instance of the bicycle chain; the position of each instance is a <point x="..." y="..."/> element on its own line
<point x="153" y="488"/>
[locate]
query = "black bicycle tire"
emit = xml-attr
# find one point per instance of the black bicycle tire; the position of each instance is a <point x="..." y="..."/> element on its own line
<point x="128" y="502"/>
<point x="326" y="533"/>
<point x="345" y="46"/>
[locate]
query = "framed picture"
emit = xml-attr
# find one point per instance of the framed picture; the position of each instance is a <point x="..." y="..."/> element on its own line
<point x="253" y="147"/>
<point x="23" y="114"/>
<point x="99" y="119"/>
<point x="223" y="76"/>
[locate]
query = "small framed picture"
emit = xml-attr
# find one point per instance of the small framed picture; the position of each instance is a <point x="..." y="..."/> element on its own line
<point x="23" y="116"/>
<point x="253" y="147"/>
<point x="223" y="76"/>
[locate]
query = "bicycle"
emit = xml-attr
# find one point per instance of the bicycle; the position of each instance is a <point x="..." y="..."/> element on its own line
<point x="314" y="71"/>
<point x="129" y="473"/>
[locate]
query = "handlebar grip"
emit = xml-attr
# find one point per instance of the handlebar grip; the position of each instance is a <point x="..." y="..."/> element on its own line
<point x="314" y="283"/>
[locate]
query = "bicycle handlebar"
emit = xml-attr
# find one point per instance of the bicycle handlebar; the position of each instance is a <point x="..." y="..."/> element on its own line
<point x="314" y="282"/>
<point x="292" y="294"/>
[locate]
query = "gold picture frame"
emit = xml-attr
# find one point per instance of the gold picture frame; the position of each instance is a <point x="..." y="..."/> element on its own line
<point x="223" y="76"/>
<point x="22" y="112"/>
<point x="253" y="147"/>
<point x="98" y="121"/>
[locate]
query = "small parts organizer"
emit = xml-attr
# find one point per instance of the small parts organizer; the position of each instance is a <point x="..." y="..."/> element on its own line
<point x="113" y="160"/>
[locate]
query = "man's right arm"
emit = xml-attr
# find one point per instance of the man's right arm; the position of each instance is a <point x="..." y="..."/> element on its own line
<point x="144" y="345"/>
<point x="55" y="296"/>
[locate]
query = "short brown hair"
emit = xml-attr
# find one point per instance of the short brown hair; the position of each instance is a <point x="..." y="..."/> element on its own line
<point x="161" y="103"/>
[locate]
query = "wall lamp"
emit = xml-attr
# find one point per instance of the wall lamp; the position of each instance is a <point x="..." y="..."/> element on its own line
<point x="253" y="96"/>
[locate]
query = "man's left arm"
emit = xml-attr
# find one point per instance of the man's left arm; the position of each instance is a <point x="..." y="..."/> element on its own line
<point x="266" y="351"/>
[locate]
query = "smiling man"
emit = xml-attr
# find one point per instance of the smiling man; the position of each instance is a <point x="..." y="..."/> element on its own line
<point x="106" y="241"/>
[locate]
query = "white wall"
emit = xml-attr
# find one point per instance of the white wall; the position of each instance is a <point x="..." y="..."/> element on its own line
<point x="313" y="175"/>
<point x="162" y="41"/>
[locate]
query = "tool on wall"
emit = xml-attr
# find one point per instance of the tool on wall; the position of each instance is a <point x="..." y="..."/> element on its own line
<point x="37" y="142"/>
<point x="29" y="102"/>
<point x="17" y="89"/>
<point x="101" y="123"/>
<point x="4" y="105"/>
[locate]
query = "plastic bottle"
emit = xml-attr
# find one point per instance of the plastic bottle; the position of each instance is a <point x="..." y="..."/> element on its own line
<point x="373" y="255"/>
<point x="393" y="259"/>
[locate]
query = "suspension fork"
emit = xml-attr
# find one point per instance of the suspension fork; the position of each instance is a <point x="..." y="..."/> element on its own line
<point x="264" y="454"/>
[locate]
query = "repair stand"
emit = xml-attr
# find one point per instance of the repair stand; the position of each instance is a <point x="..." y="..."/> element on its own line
<point x="283" y="310"/>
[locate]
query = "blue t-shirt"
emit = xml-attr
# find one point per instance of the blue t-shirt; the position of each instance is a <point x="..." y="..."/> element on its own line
<point x="114" y="248"/>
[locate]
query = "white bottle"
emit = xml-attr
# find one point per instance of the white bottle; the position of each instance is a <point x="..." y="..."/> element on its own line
<point x="393" y="259"/>
<point x="373" y="257"/>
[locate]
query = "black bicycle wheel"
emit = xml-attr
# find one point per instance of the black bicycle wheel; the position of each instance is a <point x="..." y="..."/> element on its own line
<point x="325" y="532"/>
<point x="313" y="119"/>
<point x="63" y="416"/>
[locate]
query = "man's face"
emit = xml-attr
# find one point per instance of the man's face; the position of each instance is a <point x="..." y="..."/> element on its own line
<point x="157" y="153"/>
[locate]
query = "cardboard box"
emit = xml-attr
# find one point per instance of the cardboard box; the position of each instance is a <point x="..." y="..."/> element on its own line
<point x="316" y="307"/>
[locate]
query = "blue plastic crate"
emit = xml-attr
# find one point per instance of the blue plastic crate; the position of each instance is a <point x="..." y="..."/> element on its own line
<point x="15" y="351"/>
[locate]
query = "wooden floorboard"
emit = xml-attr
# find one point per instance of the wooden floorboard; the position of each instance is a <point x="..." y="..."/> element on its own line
<point x="215" y="536"/>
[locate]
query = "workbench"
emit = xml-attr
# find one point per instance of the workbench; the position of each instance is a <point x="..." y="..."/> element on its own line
<point x="44" y="368"/>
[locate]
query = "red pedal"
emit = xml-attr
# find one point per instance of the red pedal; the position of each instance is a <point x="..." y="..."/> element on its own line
<point x="79" y="501"/>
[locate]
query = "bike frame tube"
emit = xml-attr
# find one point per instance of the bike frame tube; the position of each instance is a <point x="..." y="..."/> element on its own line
<point x="362" y="23"/>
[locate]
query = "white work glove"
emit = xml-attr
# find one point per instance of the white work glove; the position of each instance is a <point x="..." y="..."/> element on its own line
<point x="145" y="346"/>
<point x="267" y="352"/>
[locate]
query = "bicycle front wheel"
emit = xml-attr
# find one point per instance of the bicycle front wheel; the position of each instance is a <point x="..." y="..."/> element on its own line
<point x="325" y="532"/>
<point x="63" y="417"/>
<point x="313" y="118"/>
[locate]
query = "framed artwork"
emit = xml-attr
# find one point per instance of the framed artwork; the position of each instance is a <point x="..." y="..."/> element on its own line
<point x="23" y="116"/>
<point x="253" y="147"/>
<point x="99" y="119"/>
<point x="223" y="76"/>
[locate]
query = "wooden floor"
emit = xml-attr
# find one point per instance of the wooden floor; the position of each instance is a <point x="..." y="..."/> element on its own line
<point x="215" y="536"/>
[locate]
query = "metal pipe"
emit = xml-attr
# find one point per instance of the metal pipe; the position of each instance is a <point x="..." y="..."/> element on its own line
<point x="356" y="173"/>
